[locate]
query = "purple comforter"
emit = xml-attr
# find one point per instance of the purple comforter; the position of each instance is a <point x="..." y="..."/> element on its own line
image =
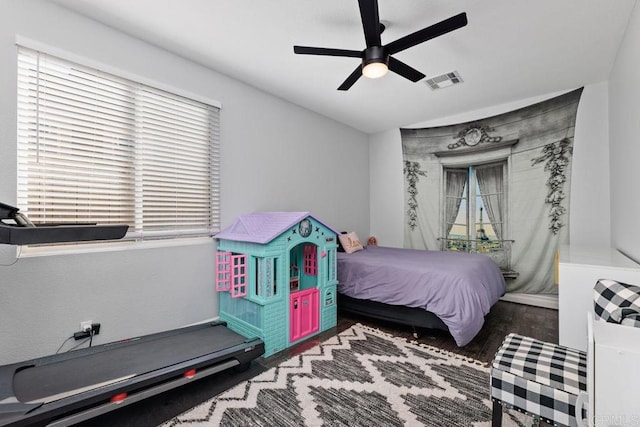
<point x="459" y="288"/>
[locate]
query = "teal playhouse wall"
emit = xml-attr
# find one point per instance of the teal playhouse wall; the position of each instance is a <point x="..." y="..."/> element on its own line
<point x="276" y="275"/>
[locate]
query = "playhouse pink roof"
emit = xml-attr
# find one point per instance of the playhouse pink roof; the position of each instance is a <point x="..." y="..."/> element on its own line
<point x="263" y="227"/>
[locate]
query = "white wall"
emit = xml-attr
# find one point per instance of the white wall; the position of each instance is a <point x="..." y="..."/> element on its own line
<point x="387" y="188"/>
<point x="275" y="156"/>
<point x="589" y="203"/>
<point x="624" y="118"/>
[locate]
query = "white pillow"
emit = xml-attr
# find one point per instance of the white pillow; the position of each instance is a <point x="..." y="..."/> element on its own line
<point x="350" y="242"/>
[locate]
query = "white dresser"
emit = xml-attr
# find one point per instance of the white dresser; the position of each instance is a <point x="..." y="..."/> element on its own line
<point x="579" y="267"/>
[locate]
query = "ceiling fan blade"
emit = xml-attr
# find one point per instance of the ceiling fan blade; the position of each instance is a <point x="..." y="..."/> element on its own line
<point x="404" y="70"/>
<point x="435" y="30"/>
<point x="306" y="50"/>
<point x="370" y="21"/>
<point x="351" y="79"/>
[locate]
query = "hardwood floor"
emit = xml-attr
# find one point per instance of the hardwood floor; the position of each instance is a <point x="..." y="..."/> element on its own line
<point x="505" y="317"/>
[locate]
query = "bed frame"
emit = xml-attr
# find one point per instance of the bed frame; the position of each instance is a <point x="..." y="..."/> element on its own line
<point x="410" y="316"/>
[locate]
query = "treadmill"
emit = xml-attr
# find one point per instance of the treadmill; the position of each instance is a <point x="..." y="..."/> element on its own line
<point x="71" y="387"/>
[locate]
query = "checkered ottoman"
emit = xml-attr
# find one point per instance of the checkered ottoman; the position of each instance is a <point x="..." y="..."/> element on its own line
<point x="537" y="378"/>
<point x="617" y="302"/>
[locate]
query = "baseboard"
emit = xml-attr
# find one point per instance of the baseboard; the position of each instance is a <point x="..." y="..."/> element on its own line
<point x="538" y="300"/>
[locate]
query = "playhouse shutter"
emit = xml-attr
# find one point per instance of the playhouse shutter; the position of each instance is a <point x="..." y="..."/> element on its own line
<point x="223" y="269"/>
<point x="238" y="276"/>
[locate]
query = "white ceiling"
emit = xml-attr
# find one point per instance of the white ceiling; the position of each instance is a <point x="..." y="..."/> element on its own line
<point x="510" y="50"/>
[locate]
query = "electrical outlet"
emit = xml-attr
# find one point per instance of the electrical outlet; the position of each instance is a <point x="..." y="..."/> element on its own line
<point x="85" y="326"/>
<point x="87" y="329"/>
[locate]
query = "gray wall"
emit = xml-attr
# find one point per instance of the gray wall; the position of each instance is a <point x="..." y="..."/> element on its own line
<point x="589" y="203"/>
<point x="624" y="117"/>
<point x="275" y="156"/>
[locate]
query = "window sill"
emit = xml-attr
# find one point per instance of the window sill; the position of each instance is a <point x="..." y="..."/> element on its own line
<point x="120" y="245"/>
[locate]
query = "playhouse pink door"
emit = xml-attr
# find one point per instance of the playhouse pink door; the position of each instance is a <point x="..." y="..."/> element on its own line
<point x="304" y="310"/>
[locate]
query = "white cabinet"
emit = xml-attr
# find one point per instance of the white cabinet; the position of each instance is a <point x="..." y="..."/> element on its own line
<point x="612" y="373"/>
<point x="579" y="268"/>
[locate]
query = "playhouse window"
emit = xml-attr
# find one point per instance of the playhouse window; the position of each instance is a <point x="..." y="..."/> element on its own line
<point x="310" y="253"/>
<point x="331" y="265"/>
<point x="238" y="276"/>
<point x="266" y="276"/>
<point x="259" y="275"/>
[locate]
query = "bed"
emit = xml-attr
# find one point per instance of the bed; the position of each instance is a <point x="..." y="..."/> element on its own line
<point x="427" y="289"/>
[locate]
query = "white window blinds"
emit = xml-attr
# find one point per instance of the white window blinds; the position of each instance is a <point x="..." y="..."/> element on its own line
<point x="97" y="148"/>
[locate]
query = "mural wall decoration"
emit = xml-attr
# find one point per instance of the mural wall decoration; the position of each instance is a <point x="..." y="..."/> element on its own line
<point x="498" y="186"/>
<point x="412" y="173"/>
<point x="556" y="155"/>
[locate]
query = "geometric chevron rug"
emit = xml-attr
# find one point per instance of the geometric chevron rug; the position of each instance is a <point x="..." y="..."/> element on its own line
<point x="360" y="377"/>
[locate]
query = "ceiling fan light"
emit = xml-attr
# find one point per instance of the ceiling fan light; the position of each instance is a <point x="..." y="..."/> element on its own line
<point x="374" y="70"/>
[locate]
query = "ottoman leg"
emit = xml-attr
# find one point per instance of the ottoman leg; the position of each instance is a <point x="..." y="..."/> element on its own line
<point x="496" y="418"/>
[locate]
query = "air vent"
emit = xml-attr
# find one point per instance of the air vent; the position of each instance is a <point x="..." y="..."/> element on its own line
<point x="444" y="80"/>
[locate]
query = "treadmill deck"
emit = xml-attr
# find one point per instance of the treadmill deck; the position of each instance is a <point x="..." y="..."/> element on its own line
<point x="118" y="361"/>
<point x="85" y="381"/>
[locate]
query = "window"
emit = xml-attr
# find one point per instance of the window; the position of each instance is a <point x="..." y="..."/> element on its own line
<point x="331" y="266"/>
<point x="239" y="276"/>
<point x="310" y="252"/>
<point x="474" y="207"/>
<point x="266" y="277"/>
<point x="97" y="148"/>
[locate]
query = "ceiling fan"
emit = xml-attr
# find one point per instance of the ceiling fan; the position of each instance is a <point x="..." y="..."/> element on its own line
<point x="377" y="59"/>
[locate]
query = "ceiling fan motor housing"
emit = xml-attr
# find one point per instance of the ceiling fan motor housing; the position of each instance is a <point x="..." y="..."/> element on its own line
<point x="375" y="54"/>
